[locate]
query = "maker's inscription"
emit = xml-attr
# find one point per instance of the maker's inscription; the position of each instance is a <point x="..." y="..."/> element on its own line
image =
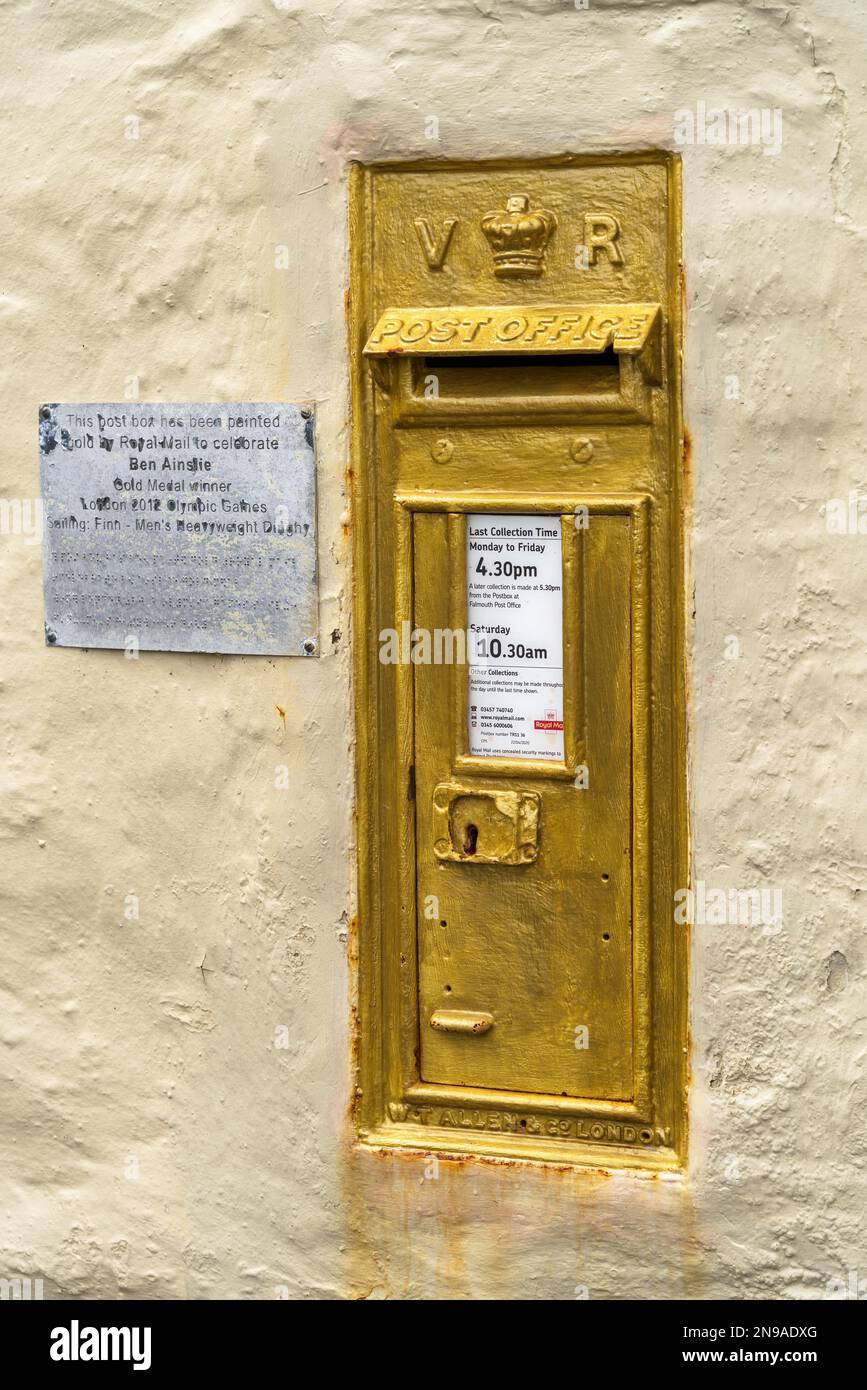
<point x="515" y="1122"/>
<point x="187" y="528"/>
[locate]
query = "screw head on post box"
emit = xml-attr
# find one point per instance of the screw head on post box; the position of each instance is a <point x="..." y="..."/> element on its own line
<point x="441" y="450"/>
<point x="582" y="449"/>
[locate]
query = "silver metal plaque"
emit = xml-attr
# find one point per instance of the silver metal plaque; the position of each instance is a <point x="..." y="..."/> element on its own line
<point x="180" y="528"/>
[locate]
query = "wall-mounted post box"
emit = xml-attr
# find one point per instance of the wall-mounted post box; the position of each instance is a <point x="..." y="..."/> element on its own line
<point x="518" y="632"/>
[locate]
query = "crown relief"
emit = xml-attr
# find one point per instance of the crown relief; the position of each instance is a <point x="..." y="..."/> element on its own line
<point x="518" y="236"/>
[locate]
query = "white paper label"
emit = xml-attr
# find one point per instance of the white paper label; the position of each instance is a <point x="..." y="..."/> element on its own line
<point x="515" y="620"/>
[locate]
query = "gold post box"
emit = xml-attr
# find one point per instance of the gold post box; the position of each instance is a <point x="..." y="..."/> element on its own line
<point x="519" y="658"/>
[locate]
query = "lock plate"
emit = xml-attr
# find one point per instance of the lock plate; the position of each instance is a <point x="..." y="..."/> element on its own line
<point x="472" y="825"/>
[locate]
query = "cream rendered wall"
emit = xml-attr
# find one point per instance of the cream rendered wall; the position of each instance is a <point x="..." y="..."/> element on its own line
<point x="155" y="1141"/>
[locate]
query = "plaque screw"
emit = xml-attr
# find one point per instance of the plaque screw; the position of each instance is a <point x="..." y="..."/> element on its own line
<point x="45" y="413"/>
<point x="582" y="449"/>
<point x="442" y="450"/>
<point x="309" y="647"/>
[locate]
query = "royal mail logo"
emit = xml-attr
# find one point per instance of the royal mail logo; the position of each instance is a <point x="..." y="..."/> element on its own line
<point x="550" y="722"/>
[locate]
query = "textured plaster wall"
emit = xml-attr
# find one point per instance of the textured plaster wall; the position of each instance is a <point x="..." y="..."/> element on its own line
<point x="155" y="1141"/>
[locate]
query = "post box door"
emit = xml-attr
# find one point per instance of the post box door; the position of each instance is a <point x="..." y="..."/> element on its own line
<point x="525" y="966"/>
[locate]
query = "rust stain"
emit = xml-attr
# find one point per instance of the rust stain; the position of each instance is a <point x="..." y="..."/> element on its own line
<point x="386" y="1212"/>
<point x="543" y="1168"/>
<point x="354" y="1022"/>
<point x="282" y="713"/>
<point x="349" y="491"/>
<point x="687" y="461"/>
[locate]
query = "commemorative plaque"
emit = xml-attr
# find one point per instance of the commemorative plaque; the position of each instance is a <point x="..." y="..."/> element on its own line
<point x="184" y="528"/>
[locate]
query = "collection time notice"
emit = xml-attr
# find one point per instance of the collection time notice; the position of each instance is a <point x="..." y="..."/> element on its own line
<point x="515" y="621"/>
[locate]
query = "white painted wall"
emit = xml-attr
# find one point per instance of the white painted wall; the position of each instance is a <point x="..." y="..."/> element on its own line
<point x="155" y="1142"/>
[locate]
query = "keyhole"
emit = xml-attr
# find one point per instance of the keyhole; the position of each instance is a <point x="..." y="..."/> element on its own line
<point x="471" y="835"/>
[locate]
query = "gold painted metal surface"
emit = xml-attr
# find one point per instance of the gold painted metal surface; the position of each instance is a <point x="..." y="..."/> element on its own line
<point x="467" y="330"/>
<point x="481" y="825"/>
<point x="461" y="1021"/>
<point x="517" y="235"/>
<point x="522" y="983"/>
